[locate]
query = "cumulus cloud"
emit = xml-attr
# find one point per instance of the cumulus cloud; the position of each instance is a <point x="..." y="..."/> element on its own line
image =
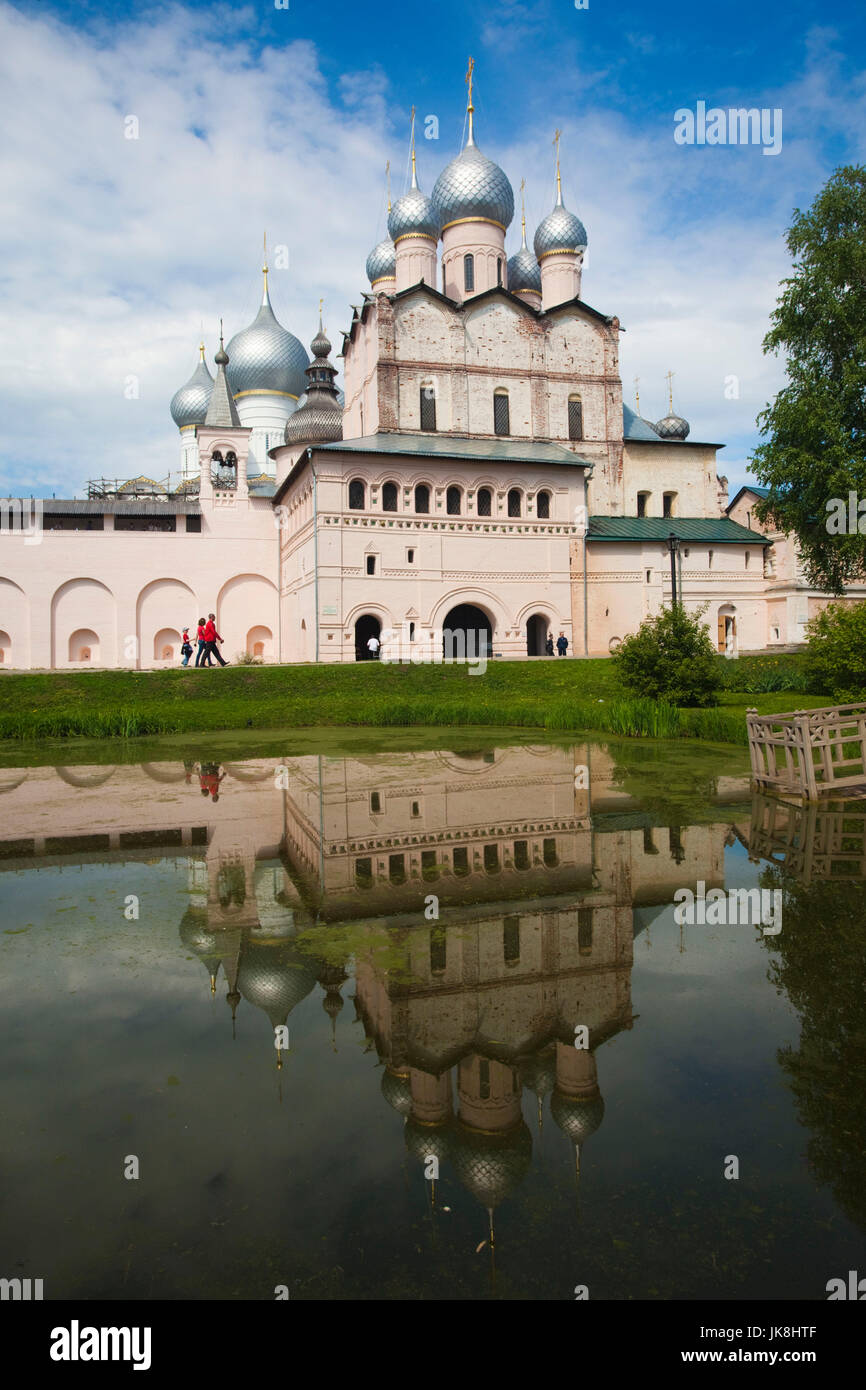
<point x="117" y="252"/>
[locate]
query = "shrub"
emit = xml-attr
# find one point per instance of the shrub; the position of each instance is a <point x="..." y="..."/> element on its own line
<point x="762" y="675"/>
<point x="671" y="657"/>
<point x="836" y="652"/>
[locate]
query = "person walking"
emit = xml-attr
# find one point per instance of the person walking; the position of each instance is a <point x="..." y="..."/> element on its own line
<point x="562" y="644"/>
<point x="185" y="647"/>
<point x="202" y="644"/>
<point x="211" y="637"/>
<point x="548" y="646"/>
<point x="373" y="645"/>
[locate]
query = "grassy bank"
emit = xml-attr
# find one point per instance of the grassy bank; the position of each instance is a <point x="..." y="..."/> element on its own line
<point x="554" y="695"/>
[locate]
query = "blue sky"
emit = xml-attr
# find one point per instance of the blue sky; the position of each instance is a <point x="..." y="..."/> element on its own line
<point x="116" y="252"/>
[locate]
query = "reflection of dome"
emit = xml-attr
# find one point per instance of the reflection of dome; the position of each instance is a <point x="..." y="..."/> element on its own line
<point x="266" y="357"/>
<point x="577" y="1118"/>
<point x="382" y="262"/>
<point x="422" y="1140"/>
<point x="397" y="1090"/>
<point x="189" y="404"/>
<point x="538" y="1073"/>
<point x="492" y="1166"/>
<point x="672" y="427"/>
<point x="274" y="979"/>
<point x="473" y="186"/>
<point x="201" y="941"/>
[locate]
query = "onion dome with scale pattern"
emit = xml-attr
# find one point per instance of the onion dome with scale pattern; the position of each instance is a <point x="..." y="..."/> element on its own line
<point x="560" y="232"/>
<point x="265" y="357"/>
<point x="413" y="214"/>
<point x="189" y="404"/>
<point x="320" y="419"/>
<point x="397" y="1090"/>
<point x="274" y="979"/>
<point x="423" y="1140"/>
<point x="492" y="1166"/>
<point x="473" y="189"/>
<point x="576" y="1117"/>
<point x="382" y="263"/>
<point x="672" y="427"/>
<point x="524" y="272"/>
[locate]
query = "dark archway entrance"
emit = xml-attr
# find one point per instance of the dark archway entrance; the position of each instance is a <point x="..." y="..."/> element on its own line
<point x="536" y="634"/>
<point x="466" y="633"/>
<point x="366" y="627"/>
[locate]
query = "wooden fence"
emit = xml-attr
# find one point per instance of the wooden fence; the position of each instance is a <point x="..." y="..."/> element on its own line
<point x="809" y="752"/>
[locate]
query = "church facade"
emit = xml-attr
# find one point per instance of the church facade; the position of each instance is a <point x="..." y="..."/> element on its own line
<point x="479" y="480"/>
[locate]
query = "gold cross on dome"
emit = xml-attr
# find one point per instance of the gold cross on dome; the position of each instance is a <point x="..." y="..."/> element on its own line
<point x="669" y="378"/>
<point x="637" y="394"/>
<point x="469" y="72"/>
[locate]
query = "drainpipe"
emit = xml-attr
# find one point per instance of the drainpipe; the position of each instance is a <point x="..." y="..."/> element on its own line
<point x="586" y="477"/>
<point x="315" y="545"/>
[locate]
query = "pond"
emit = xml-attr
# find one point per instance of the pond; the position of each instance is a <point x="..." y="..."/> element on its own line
<point x="378" y="1022"/>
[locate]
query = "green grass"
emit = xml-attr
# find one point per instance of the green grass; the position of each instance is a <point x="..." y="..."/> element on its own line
<point x="555" y="695"/>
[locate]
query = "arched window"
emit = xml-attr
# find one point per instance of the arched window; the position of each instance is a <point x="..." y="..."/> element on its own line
<point x="231" y="459"/>
<point x="469" y="273"/>
<point x="669" y="502"/>
<point x="499" y="270"/>
<point x="422" y="498"/>
<point x="357" y="495"/>
<point x="485" y="501"/>
<point x="389" y="497"/>
<point x="575" y="417"/>
<point x="428" y="406"/>
<point x="501" y="422"/>
<point x="642" y="503"/>
<point x="542" y="506"/>
<point x="514" y="500"/>
<point x="216" y="456"/>
<point x="452" y="501"/>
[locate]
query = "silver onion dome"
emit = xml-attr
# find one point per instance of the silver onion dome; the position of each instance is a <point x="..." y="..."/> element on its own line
<point x="320" y="418"/>
<point x="672" y="427"/>
<point x="382" y="262"/>
<point x="492" y="1167"/>
<point x="576" y="1117"/>
<point x="560" y="230"/>
<point x="189" y="404"/>
<point x="524" y="272"/>
<point x="274" y="979"/>
<point x="414" y="214"/>
<point x="266" y="356"/>
<point x="472" y="186"/>
<point x="397" y="1090"/>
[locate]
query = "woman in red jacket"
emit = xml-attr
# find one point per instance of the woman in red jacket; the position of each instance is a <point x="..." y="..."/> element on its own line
<point x="202" y="644"/>
<point x="211" y="637"/>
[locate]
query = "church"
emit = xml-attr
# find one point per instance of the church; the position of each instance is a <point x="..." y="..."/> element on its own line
<point x="479" y="475"/>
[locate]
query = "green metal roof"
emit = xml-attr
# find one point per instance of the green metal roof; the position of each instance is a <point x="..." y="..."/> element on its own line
<point x="452" y="446"/>
<point x="719" y="529"/>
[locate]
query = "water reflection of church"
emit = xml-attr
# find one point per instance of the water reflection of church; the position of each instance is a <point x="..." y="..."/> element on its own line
<point x="306" y="866"/>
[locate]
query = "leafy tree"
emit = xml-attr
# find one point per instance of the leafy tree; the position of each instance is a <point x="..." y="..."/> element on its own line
<point x="816" y="426"/>
<point x="836" y="652"/>
<point x="671" y="657"/>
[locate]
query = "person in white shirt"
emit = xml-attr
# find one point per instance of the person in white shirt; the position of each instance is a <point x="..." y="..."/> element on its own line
<point x="373" y="648"/>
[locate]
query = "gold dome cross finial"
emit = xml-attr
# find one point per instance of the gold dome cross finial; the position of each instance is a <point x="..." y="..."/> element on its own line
<point x="388" y="181"/>
<point x="557" y="136"/>
<point x="637" y="394"/>
<point x="469" y="106"/>
<point x="669" y="378"/>
<point x="412" y="142"/>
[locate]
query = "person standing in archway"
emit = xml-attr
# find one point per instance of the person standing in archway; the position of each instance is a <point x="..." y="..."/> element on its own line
<point x="548" y="646"/>
<point x="562" y="644"/>
<point x="373" y="645"/>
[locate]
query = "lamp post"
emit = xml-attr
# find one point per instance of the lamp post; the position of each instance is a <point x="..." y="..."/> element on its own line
<point x="673" y="547"/>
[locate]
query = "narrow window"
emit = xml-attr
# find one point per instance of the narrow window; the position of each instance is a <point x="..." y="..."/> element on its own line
<point x="416" y="808"/>
<point x="521" y="854"/>
<point x="511" y="940"/>
<point x="460" y="860"/>
<point x="542" y="506"/>
<point x="491" y="859"/>
<point x="501" y="423"/>
<point x="422" y="498"/>
<point x="411" y="632"/>
<point x="397" y="868"/>
<point x="428" y="408"/>
<point x="648" y="846"/>
<point x="675" y="844"/>
<point x="484" y="1080"/>
<point x="485" y="501"/>
<point x="429" y="868"/>
<point x="357" y="493"/>
<point x="575" y="417"/>
<point x="375" y="802"/>
<point x="668" y="500"/>
<point x="709" y="559"/>
<point x="389" y="497"/>
<point x="747" y="559"/>
<point x="514" y="501"/>
<point x="438" y="950"/>
<point x="469" y="273"/>
<point x="642" y="500"/>
<point x="499" y="270"/>
<point x="410" y="557"/>
<point x="452" y="501"/>
<point x="584" y="930"/>
<point x="550" y="858"/>
<point x="371" y="564"/>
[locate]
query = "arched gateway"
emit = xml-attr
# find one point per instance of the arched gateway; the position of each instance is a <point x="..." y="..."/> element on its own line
<point x="466" y="633"/>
